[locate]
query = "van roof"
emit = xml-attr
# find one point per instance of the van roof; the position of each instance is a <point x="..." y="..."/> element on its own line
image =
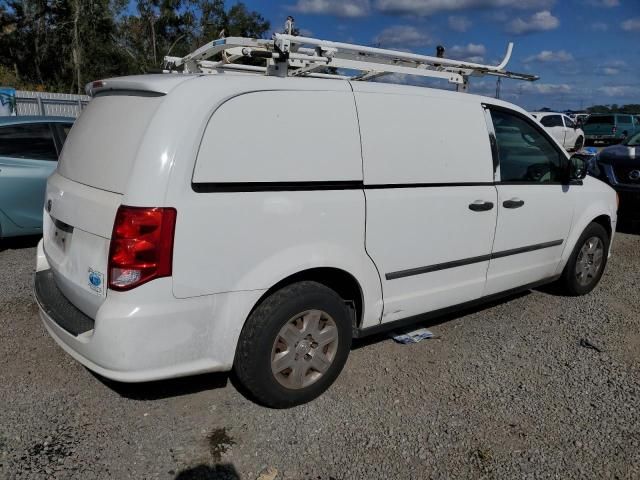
<point x="161" y="84"/>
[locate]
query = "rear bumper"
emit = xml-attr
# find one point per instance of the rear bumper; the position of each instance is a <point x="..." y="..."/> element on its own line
<point x="53" y="303"/>
<point x="146" y="334"/>
<point x="607" y="139"/>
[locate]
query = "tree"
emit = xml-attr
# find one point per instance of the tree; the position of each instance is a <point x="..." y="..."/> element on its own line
<point x="175" y="27"/>
<point x="598" y="109"/>
<point x="632" y="108"/>
<point x="60" y="45"/>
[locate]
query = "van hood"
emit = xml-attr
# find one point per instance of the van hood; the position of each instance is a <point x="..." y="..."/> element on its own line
<point x="620" y="155"/>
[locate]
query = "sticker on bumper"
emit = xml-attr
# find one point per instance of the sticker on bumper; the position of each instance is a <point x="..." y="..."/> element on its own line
<point x="96" y="281"/>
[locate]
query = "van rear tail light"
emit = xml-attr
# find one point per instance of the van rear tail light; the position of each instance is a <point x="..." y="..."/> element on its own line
<point x="613" y="130"/>
<point x="141" y="246"/>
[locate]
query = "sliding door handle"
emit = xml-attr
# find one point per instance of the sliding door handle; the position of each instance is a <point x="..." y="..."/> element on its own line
<point x="480" y="206"/>
<point x="513" y="203"/>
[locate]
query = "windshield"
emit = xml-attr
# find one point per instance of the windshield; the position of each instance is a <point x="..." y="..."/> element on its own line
<point x="608" y="119"/>
<point x="633" y="140"/>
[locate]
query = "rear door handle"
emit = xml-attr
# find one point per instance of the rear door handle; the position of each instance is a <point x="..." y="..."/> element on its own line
<point x="480" y="206"/>
<point x="513" y="203"/>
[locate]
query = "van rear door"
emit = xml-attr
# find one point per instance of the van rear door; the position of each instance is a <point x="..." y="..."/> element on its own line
<point x="84" y="194"/>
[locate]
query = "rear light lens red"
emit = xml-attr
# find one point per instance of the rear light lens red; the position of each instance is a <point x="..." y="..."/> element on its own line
<point x="613" y="130"/>
<point x="141" y="246"/>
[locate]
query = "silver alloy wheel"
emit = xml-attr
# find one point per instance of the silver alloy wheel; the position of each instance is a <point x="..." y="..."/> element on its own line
<point x="589" y="260"/>
<point x="304" y="349"/>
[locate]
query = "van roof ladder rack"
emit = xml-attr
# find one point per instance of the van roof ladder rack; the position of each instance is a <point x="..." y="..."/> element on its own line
<point x="297" y="56"/>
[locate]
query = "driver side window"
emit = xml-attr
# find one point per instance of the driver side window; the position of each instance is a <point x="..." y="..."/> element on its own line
<point x="525" y="154"/>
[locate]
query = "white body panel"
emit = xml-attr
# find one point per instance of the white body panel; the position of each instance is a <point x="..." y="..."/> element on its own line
<point x="232" y="243"/>
<point x="416" y="128"/>
<point x="413" y="229"/>
<point x="594" y="199"/>
<point x="311" y="136"/>
<point x="148" y="334"/>
<point x="73" y="254"/>
<point x="559" y="133"/>
<point x="276" y="234"/>
<point x="545" y="217"/>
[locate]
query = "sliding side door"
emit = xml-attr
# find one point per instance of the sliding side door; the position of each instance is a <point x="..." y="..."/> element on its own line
<point x="430" y="198"/>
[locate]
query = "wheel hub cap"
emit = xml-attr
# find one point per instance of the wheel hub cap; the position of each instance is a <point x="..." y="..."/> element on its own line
<point x="589" y="261"/>
<point x="304" y="349"/>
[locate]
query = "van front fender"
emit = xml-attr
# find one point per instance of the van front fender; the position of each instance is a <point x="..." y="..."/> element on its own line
<point x="594" y="201"/>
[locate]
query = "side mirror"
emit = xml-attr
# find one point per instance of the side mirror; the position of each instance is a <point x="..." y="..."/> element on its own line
<point x="577" y="167"/>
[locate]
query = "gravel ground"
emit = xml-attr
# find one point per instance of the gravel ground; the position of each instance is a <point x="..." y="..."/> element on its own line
<point x="507" y="391"/>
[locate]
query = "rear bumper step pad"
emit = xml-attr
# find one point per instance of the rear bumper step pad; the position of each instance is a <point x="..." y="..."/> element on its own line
<point x="58" y="308"/>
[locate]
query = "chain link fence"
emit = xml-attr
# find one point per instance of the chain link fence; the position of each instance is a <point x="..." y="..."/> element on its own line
<point x="51" y="104"/>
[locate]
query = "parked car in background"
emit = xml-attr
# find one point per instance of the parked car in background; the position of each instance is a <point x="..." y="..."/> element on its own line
<point x="619" y="166"/>
<point x="562" y="128"/>
<point x="580" y="119"/>
<point x="609" y="128"/>
<point x="29" y="150"/>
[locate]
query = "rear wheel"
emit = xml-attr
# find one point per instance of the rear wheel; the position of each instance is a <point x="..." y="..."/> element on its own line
<point x="587" y="262"/>
<point x="579" y="144"/>
<point x="294" y="345"/>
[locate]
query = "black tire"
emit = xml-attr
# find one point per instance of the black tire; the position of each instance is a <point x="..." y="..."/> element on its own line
<point x="569" y="282"/>
<point x="255" y="351"/>
<point x="579" y="144"/>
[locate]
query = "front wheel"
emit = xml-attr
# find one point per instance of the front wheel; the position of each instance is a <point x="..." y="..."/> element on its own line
<point x="587" y="262"/>
<point x="294" y="345"/>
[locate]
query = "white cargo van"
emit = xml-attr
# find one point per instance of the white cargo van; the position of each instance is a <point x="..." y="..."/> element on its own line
<point x="201" y="223"/>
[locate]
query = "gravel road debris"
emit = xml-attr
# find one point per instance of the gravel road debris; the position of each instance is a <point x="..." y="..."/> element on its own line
<point x="505" y="391"/>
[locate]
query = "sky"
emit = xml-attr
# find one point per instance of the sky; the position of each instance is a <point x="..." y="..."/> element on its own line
<point x="586" y="52"/>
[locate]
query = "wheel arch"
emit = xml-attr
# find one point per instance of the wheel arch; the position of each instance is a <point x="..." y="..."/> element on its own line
<point x="598" y="216"/>
<point x="605" y="221"/>
<point x="342" y="282"/>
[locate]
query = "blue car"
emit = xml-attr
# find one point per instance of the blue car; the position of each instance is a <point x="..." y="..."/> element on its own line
<point x="29" y="150"/>
<point x="619" y="166"/>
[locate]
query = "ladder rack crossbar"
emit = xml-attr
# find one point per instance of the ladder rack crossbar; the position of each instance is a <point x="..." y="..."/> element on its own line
<point x="292" y="55"/>
<point x="394" y="54"/>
